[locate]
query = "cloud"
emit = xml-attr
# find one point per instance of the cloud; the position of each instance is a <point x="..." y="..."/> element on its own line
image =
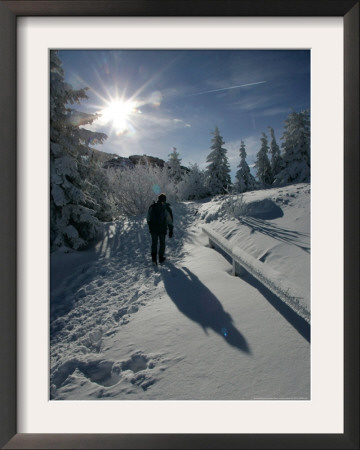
<point x="181" y="122"/>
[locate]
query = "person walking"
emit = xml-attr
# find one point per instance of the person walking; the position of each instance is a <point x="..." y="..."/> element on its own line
<point x="159" y="219"/>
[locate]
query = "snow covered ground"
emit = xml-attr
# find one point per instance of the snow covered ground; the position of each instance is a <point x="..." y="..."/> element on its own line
<point x="188" y="330"/>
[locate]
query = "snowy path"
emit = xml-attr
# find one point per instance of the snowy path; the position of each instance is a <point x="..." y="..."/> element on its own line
<point x="189" y="330"/>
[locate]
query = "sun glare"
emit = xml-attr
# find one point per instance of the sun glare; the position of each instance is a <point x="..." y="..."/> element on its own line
<point x="118" y="113"/>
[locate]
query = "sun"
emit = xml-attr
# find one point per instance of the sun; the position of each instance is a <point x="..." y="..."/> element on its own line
<point x="119" y="114"/>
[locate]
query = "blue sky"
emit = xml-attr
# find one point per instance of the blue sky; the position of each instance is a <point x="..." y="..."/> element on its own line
<point x="154" y="100"/>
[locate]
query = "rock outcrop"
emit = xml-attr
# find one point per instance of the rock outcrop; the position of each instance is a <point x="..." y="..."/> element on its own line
<point x="120" y="162"/>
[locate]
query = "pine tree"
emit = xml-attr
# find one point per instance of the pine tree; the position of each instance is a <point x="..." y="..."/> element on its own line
<point x="276" y="160"/>
<point x="218" y="170"/>
<point x="98" y="186"/>
<point x="174" y="165"/>
<point x="262" y="163"/>
<point x="73" y="207"/>
<point x="296" y="149"/>
<point x="245" y="180"/>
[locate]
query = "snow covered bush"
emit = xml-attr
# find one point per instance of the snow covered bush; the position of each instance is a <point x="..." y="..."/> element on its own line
<point x="76" y="203"/>
<point x="193" y="185"/>
<point x="134" y="189"/>
<point x="235" y="206"/>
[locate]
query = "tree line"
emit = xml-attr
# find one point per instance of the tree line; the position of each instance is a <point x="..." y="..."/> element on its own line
<point x="272" y="166"/>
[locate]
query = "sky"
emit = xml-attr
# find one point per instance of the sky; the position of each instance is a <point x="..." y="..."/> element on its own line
<point x="154" y="100"/>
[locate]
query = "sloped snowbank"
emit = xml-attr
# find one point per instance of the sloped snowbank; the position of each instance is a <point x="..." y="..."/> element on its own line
<point x="279" y="240"/>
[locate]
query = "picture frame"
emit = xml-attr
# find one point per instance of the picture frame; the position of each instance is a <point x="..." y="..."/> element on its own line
<point x="9" y="11"/>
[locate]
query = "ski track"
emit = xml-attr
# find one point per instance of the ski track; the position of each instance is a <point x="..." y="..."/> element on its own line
<point x="100" y="298"/>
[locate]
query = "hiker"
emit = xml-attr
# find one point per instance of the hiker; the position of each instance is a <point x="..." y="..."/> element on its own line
<point x="159" y="219"/>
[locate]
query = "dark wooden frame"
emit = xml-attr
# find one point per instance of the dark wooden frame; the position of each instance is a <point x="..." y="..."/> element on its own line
<point x="9" y="11"/>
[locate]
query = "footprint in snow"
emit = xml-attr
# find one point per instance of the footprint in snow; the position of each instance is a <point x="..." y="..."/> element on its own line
<point x="119" y="314"/>
<point x="143" y="380"/>
<point x="157" y="279"/>
<point x="126" y="311"/>
<point x="137" y="370"/>
<point x="136" y="363"/>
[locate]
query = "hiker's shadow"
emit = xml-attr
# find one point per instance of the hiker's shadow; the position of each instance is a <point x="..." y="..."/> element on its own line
<point x="199" y="304"/>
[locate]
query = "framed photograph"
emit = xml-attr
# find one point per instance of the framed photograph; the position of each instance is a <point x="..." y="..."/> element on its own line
<point x="32" y="415"/>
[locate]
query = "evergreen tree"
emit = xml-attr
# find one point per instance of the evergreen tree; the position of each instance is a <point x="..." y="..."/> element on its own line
<point x="98" y="186"/>
<point x="245" y="180"/>
<point x="218" y="170"/>
<point x="296" y="149"/>
<point x="174" y="165"/>
<point x="73" y="205"/>
<point x="262" y="163"/>
<point x="276" y="160"/>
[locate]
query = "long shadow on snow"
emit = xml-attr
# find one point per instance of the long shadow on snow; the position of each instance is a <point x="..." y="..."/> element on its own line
<point x="199" y="304"/>
<point x="291" y="316"/>
<point x="272" y="230"/>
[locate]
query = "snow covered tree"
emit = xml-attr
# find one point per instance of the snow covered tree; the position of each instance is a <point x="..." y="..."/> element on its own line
<point x="276" y="160"/>
<point x="136" y="187"/>
<point x="244" y="179"/>
<point x="73" y="205"/>
<point x="174" y="166"/>
<point x="218" y="170"/>
<point x="97" y="185"/>
<point x="296" y="149"/>
<point x="193" y="184"/>
<point x="262" y="163"/>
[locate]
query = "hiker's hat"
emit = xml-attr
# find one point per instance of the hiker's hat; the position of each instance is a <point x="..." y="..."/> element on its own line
<point x="162" y="198"/>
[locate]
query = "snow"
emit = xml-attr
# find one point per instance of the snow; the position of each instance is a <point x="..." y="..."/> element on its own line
<point x="122" y="329"/>
<point x="269" y="278"/>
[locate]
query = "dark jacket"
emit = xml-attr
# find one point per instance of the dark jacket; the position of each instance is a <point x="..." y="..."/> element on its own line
<point x="160" y="218"/>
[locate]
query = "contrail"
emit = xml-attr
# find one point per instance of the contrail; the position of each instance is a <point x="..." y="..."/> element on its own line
<point x="226" y="89"/>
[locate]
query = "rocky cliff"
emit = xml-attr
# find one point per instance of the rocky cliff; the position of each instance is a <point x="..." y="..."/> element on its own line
<point x="120" y="162"/>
